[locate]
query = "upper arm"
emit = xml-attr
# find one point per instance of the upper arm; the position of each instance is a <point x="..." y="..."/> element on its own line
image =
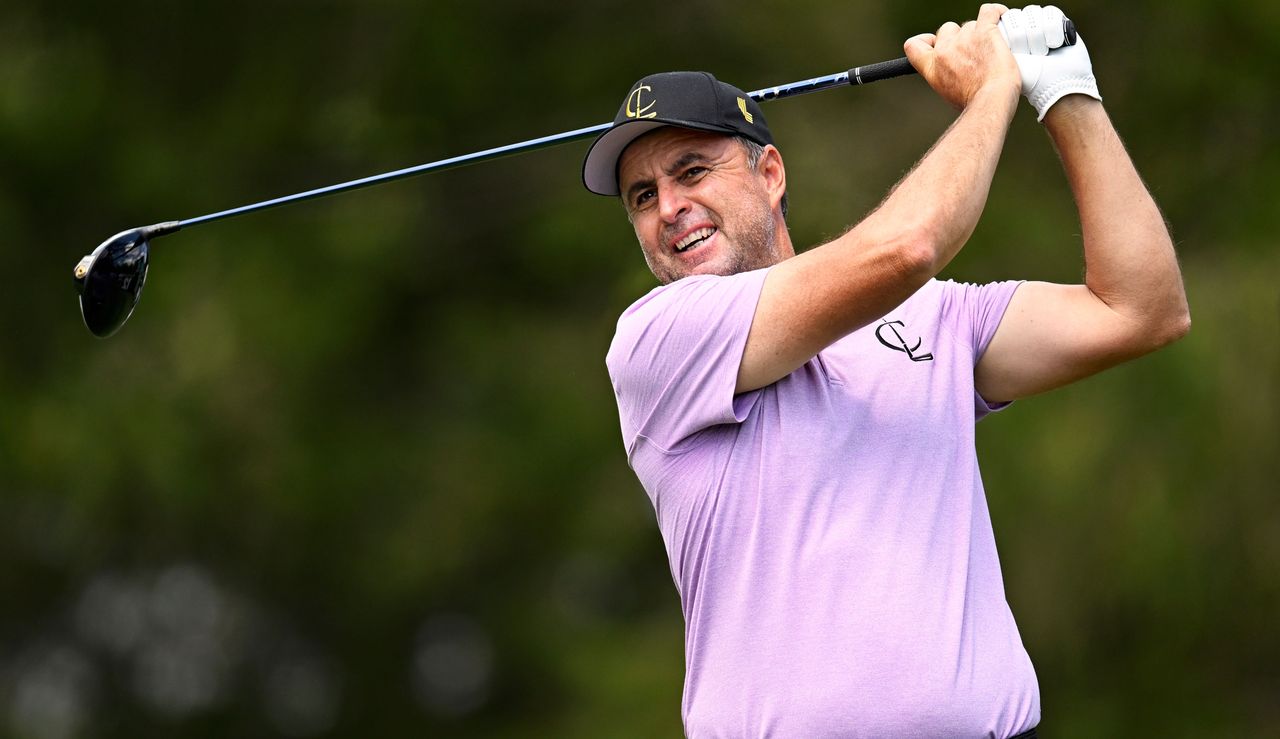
<point x="1052" y="335"/>
<point x="811" y="300"/>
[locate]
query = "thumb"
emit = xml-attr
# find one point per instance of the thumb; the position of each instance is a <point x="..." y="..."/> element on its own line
<point x="920" y="53"/>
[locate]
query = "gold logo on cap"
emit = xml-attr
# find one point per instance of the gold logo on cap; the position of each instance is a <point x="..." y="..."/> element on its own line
<point x="742" y="105"/>
<point x="640" y="110"/>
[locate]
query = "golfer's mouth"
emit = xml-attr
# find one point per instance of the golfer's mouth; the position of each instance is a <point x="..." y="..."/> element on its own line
<point x="694" y="239"/>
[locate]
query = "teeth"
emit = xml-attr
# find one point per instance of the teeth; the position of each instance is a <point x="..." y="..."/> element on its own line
<point x="696" y="236"/>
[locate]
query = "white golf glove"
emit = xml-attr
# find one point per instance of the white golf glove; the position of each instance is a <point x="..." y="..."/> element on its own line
<point x="1049" y="69"/>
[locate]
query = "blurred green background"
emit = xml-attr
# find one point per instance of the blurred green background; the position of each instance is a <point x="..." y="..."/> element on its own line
<point x="353" y="468"/>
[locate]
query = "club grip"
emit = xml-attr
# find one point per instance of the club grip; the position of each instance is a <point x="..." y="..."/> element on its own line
<point x="902" y="66"/>
<point x="880" y="71"/>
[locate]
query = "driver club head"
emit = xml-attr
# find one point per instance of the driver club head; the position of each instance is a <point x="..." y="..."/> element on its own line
<point x="110" y="280"/>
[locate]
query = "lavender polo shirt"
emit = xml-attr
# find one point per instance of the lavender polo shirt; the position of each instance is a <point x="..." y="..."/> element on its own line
<point x="828" y="534"/>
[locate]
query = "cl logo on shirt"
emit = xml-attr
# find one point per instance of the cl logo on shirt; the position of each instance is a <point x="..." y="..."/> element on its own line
<point x="899" y="344"/>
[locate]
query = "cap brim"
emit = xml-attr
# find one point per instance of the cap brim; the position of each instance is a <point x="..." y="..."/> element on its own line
<point x="600" y="168"/>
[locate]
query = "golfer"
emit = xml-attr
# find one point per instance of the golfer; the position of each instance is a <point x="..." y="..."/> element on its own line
<point x="804" y="423"/>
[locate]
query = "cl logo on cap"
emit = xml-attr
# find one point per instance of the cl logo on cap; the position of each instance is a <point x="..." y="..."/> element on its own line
<point x="640" y="109"/>
<point x="742" y="105"/>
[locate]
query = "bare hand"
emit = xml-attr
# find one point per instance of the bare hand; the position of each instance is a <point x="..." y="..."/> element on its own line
<point x="959" y="62"/>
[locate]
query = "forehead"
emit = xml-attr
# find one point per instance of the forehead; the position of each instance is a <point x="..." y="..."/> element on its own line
<point x="654" y="151"/>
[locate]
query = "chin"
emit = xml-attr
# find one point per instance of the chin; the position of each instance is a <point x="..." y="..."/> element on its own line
<point x="673" y="272"/>
<point x="712" y="268"/>
<point x="722" y="263"/>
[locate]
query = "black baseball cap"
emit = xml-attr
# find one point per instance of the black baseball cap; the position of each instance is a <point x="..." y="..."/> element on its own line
<point x="685" y="99"/>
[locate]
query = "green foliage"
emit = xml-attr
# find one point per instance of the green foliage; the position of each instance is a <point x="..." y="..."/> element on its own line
<point x="356" y="462"/>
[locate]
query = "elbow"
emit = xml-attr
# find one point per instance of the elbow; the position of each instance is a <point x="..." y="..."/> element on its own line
<point x="1177" y="321"/>
<point x="1178" y="326"/>
<point x="1156" y="317"/>
<point x="1135" y="333"/>
<point x="918" y="255"/>
<point x="912" y="247"/>
<point x="1168" y="328"/>
<point x="1176" y="315"/>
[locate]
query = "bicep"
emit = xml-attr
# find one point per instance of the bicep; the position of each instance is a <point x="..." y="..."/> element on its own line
<point x="1052" y="335"/>
<point x="809" y="301"/>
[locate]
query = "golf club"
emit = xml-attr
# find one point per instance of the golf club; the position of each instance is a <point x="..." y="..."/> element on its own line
<point x="110" y="279"/>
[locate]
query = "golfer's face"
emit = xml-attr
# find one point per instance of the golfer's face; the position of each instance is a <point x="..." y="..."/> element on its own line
<point x="697" y="205"/>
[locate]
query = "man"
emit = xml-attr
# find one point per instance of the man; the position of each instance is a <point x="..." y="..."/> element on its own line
<point x="804" y="424"/>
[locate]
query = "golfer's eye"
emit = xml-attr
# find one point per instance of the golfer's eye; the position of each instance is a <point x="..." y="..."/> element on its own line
<point x="644" y="198"/>
<point x="693" y="173"/>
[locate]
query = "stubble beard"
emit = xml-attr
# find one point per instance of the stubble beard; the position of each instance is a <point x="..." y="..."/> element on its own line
<point x="754" y="246"/>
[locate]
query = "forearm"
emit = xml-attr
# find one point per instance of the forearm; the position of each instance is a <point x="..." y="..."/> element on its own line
<point x="815" y="298"/>
<point x="937" y="205"/>
<point x="1129" y="259"/>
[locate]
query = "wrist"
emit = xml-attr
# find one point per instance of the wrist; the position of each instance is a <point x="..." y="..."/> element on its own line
<point x="1074" y="112"/>
<point x="997" y="95"/>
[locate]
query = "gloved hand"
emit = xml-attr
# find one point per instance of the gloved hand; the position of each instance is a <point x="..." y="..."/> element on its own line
<point x="1049" y="69"/>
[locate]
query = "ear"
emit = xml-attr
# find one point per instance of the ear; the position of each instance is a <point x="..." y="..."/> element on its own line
<point x="774" y="174"/>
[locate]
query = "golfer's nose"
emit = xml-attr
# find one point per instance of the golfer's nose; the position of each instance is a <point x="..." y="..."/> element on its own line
<point x="672" y="203"/>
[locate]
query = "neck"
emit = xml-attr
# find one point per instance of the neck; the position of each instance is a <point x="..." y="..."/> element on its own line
<point x="782" y="238"/>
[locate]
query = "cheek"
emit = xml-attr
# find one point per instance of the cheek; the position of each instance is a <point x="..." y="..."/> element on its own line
<point x="645" y="233"/>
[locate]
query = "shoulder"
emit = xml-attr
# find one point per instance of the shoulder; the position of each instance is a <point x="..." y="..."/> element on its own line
<point x="699" y="288"/>
<point x="940" y="291"/>
<point x="692" y="320"/>
<point x="968" y="311"/>
<point x="693" y="303"/>
<point x="971" y="312"/>
<point x="953" y="297"/>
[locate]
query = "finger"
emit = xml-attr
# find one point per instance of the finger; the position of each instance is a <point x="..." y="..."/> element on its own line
<point x="1033" y="16"/>
<point x="1014" y="27"/>
<point x="991" y="12"/>
<point x="920" y="53"/>
<point x="928" y="38"/>
<point x="1054" y="27"/>
<point x="948" y="29"/>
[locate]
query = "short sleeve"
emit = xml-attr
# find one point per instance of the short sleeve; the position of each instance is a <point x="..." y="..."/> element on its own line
<point x="974" y="313"/>
<point x="675" y="357"/>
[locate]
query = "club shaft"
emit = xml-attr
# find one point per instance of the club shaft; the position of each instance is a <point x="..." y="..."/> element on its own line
<point x="855" y="76"/>
<point x="399" y="174"/>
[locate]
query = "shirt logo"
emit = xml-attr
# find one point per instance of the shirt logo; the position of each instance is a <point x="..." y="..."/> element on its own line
<point x="636" y="107"/>
<point x="895" y="341"/>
